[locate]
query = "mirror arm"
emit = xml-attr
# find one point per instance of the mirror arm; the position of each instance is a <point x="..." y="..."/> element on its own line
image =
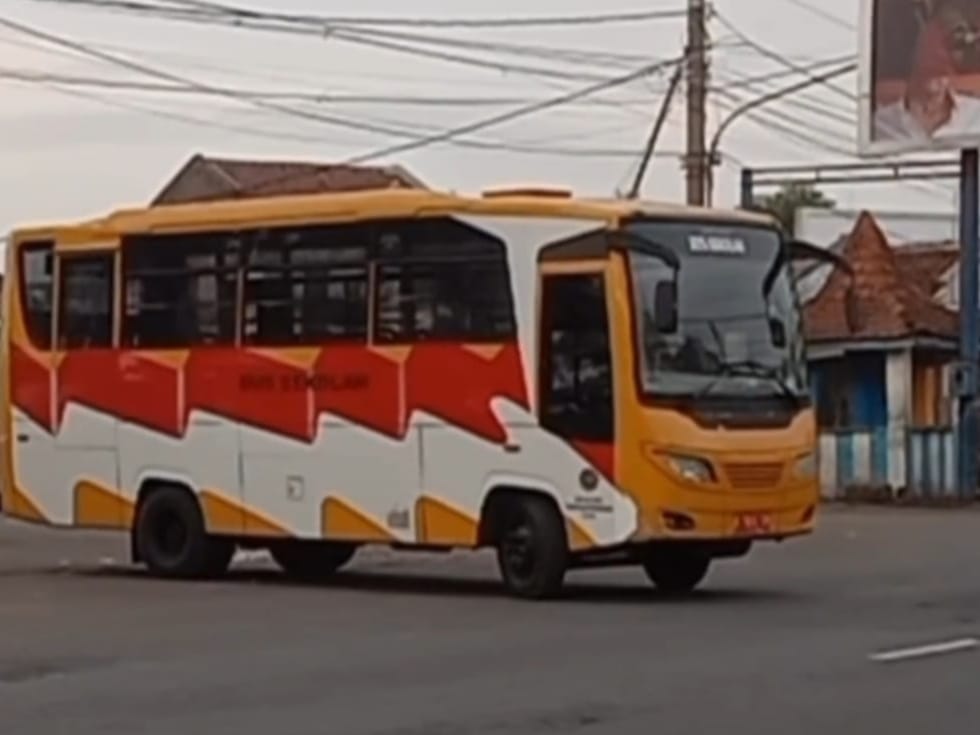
<point x="631" y="242"/>
<point x="801" y="250"/>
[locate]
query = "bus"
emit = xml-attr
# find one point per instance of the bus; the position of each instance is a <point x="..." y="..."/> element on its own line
<point x="571" y="382"/>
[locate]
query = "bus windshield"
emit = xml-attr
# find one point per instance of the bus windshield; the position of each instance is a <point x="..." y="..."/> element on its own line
<point x="738" y="330"/>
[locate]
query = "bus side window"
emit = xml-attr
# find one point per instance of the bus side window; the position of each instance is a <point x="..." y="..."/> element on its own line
<point x="180" y="290"/>
<point x="576" y="383"/>
<point x="440" y="280"/>
<point x="85" y="301"/>
<point x="37" y="291"/>
<point x="305" y="285"/>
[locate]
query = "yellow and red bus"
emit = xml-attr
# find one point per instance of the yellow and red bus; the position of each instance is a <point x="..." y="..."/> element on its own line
<point x="573" y="382"/>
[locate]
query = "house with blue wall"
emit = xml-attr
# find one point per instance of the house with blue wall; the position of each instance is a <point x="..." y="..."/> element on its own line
<point x="881" y="344"/>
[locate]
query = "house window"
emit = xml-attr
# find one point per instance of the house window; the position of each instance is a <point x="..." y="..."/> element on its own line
<point x="180" y="290"/>
<point x="37" y="291"/>
<point x="438" y="279"/>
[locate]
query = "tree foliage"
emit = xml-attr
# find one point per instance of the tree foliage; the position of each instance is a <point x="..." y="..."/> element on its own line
<point x="791" y="197"/>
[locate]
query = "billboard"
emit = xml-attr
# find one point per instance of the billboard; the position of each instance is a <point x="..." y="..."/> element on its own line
<point x="919" y="78"/>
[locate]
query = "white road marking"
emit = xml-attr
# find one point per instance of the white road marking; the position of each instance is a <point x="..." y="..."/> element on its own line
<point x="933" y="649"/>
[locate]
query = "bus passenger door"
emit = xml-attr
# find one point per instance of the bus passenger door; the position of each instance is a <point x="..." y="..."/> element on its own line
<point x="86" y="361"/>
<point x="576" y="391"/>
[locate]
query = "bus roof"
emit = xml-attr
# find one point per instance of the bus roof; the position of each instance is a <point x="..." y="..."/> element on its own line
<point x="382" y="203"/>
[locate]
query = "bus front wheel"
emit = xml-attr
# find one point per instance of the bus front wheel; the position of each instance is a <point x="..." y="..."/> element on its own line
<point x="172" y="539"/>
<point x="676" y="569"/>
<point x="532" y="549"/>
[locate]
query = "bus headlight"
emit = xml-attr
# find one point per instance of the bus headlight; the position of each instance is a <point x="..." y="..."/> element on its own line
<point x="692" y="469"/>
<point x="806" y="466"/>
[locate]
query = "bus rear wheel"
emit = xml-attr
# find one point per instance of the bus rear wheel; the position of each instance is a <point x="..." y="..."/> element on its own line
<point x="532" y="549"/>
<point x="676" y="569"/>
<point x="311" y="559"/>
<point x="172" y="539"/>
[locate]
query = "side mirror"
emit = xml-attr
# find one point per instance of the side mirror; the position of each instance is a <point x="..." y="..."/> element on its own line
<point x="801" y="250"/>
<point x="665" y="307"/>
<point x="794" y="250"/>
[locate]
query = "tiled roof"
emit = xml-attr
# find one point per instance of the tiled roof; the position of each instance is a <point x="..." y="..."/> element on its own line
<point x="891" y="294"/>
<point x="925" y="264"/>
<point x="208" y="179"/>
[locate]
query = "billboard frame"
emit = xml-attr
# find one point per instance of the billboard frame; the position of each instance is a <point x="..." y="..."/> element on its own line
<point x="867" y="146"/>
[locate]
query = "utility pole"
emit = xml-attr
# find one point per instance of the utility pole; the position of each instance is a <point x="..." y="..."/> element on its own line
<point x="697" y="91"/>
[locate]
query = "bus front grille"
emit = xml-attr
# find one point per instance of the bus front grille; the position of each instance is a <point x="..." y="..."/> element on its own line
<point x="754" y="475"/>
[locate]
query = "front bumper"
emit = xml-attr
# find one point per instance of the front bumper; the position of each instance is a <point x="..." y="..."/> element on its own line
<point x="707" y="516"/>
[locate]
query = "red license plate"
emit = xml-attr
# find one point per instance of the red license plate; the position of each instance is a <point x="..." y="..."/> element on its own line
<point x="754" y="524"/>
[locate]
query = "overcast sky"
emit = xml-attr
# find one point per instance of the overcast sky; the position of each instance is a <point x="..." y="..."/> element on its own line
<point x="68" y="156"/>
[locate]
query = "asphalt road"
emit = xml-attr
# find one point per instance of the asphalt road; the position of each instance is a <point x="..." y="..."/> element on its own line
<point x="421" y="645"/>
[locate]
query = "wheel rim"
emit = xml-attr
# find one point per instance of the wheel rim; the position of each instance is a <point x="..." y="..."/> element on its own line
<point x="169" y="535"/>
<point x="517" y="548"/>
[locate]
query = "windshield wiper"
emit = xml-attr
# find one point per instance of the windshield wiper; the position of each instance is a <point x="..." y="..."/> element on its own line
<point x="749" y="369"/>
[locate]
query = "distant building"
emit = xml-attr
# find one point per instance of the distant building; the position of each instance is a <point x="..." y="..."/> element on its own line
<point x="204" y="179"/>
<point x="823" y="226"/>
<point x="881" y="345"/>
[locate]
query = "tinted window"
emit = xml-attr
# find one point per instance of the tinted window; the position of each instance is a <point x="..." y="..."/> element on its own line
<point x="438" y="279"/>
<point x="37" y="291"/>
<point x="85" y="301"/>
<point x="735" y="294"/>
<point x="576" y="361"/>
<point x="180" y="290"/>
<point x="307" y="285"/>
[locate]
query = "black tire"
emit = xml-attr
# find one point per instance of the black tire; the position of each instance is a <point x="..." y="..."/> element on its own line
<point x="532" y="547"/>
<point x="311" y="559"/>
<point x="676" y="570"/>
<point x="172" y="538"/>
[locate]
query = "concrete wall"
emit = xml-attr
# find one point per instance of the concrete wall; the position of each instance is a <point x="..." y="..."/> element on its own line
<point x="864" y="459"/>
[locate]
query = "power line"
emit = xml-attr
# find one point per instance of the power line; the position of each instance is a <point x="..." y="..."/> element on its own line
<point x="772" y="76"/>
<point x="780" y="58"/>
<point x="386" y="130"/>
<point x="502" y="22"/>
<point x="532" y="148"/>
<point x="453" y="136"/>
<point x="74" y="80"/>
<point x="450" y="135"/>
<point x="574" y="55"/>
<point x="624" y="106"/>
<point x="130" y="85"/>
<point x="821" y="13"/>
<point x="517" y="113"/>
<point x="352" y="35"/>
<point x="290" y="74"/>
<point x="179" y="116"/>
<point x="395" y="41"/>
